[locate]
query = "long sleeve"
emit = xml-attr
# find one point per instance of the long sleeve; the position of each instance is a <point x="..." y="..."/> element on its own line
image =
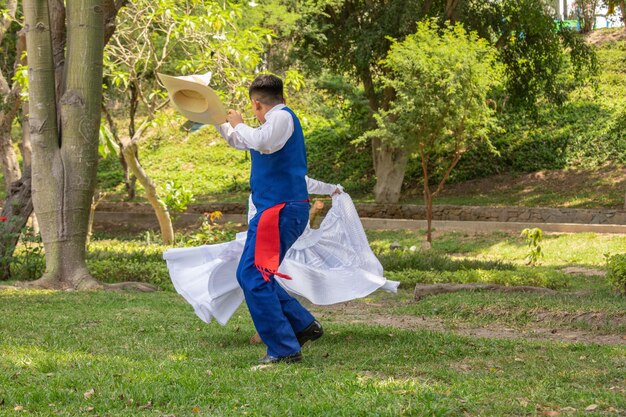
<point x="268" y="138"/>
<point x="318" y="187"/>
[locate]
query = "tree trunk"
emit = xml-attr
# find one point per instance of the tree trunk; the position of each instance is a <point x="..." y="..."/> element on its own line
<point x="17" y="209"/>
<point x="129" y="150"/>
<point x="9" y="107"/>
<point x="25" y="147"/>
<point x="10" y="165"/>
<point x="452" y="7"/>
<point x="428" y="198"/>
<point x="64" y="164"/>
<point x="389" y="163"/>
<point x="389" y="166"/>
<point x="9" y="104"/>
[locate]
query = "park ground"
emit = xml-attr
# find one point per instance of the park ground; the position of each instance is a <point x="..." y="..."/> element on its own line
<point x="471" y="353"/>
<point x="477" y="353"/>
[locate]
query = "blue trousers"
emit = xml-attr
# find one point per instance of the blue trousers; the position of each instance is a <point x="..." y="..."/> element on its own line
<point x="277" y="316"/>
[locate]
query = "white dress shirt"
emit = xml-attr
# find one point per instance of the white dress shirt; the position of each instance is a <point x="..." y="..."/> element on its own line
<point x="270" y="137"/>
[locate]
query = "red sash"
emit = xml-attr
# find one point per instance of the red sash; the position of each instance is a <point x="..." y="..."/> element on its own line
<point x="267" y="250"/>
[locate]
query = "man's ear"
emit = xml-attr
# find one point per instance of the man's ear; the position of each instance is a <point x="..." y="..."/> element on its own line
<point x="256" y="105"/>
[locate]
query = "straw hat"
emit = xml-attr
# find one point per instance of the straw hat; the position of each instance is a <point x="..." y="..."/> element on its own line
<point x="194" y="99"/>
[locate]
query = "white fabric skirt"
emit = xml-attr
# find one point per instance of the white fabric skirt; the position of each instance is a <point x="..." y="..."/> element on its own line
<point x="329" y="265"/>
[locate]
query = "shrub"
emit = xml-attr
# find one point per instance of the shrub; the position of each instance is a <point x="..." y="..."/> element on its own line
<point x="399" y="260"/>
<point x="122" y="269"/>
<point x="616" y="275"/>
<point x="536" y="277"/>
<point x="209" y="232"/>
<point x="116" y="260"/>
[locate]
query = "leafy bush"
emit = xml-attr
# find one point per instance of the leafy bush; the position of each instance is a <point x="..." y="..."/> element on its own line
<point x="333" y="159"/>
<point x="114" y="260"/>
<point x="121" y="269"/>
<point x="398" y="260"/>
<point x="27" y="261"/>
<point x="176" y="197"/>
<point x="616" y="275"/>
<point x="536" y="277"/>
<point x="534" y="237"/>
<point x="209" y="232"/>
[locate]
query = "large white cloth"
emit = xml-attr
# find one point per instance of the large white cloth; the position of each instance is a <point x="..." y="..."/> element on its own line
<point x="329" y="265"/>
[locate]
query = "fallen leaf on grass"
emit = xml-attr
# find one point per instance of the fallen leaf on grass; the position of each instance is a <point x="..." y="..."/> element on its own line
<point x="568" y="409"/>
<point x="550" y="413"/>
<point x="89" y="409"/>
<point x="147" y="406"/>
<point x="592" y="407"/>
<point x="89" y="393"/>
<point x="18" y="408"/>
<point x="195" y="410"/>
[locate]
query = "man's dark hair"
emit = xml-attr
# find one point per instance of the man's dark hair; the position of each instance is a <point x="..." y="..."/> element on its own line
<point x="267" y="88"/>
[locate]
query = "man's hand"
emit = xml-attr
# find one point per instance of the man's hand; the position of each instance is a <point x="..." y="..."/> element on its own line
<point x="234" y="117"/>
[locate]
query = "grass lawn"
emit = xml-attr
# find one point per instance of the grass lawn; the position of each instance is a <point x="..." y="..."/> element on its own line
<point x="460" y="354"/>
<point x="147" y="354"/>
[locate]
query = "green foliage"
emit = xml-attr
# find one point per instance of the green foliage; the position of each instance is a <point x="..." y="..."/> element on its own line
<point x="182" y="38"/>
<point x="547" y="278"/>
<point x="9" y="41"/>
<point x="114" y="260"/>
<point x="534" y="237"/>
<point x="401" y="260"/>
<point x="28" y="261"/>
<point x="584" y="132"/>
<point x="130" y="269"/>
<point x="541" y="62"/>
<point x="616" y="272"/>
<point x="107" y="145"/>
<point x="441" y="79"/>
<point x="176" y="197"/>
<point x="201" y="161"/>
<point x="209" y="232"/>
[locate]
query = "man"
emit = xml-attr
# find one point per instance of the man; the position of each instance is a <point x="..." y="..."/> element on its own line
<point x="279" y="193"/>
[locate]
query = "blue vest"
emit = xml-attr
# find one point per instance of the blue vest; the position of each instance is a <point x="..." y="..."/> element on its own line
<point x="279" y="177"/>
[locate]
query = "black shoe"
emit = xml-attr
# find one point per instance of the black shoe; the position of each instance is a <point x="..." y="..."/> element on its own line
<point x="269" y="359"/>
<point x="313" y="332"/>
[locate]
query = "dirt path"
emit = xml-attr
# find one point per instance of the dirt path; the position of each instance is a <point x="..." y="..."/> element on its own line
<point x="358" y="312"/>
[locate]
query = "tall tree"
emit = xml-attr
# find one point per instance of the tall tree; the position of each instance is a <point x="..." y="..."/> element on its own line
<point x="65" y="41"/>
<point x="352" y="37"/>
<point x="441" y="78"/>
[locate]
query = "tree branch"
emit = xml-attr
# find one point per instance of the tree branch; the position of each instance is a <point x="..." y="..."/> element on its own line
<point x="5" y="21"/>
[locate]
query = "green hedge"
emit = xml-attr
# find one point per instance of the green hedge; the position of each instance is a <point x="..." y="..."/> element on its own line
<point x="616" y="275"/>
<point x="535" y="277"/>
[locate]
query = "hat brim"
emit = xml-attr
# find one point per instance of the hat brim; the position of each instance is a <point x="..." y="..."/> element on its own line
<point x="193" y="99"/>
